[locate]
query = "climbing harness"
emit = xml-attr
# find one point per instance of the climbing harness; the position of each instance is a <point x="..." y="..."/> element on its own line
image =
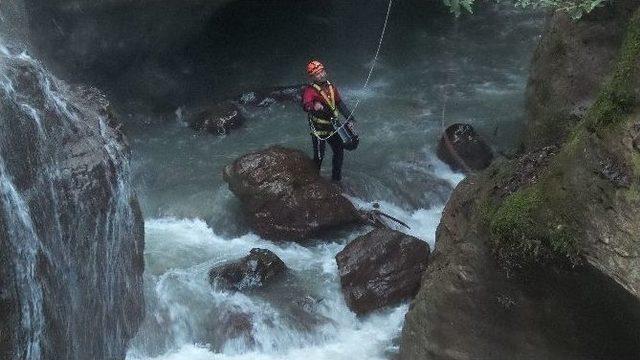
<point x="330" y="102"/>
<point x="348" y="124"/>
<point x="346" y="132"/>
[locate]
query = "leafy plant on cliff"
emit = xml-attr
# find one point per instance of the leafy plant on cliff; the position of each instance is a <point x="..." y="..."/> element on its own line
<point x="575" y="8"/>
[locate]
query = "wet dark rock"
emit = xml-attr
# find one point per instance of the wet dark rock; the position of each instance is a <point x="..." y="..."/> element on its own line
<point x="218" y="119"/>
<point x="231" y="326"/>
<point x="266" y="97"/>
<point x="255" y="270"/>
<point x="463" y="149"/>
<point x="571" y="198"/>
<point x="64" y="154"/>
<point x="569" y="67"/>
<point x="468" y="306"/>
<point x="225" y="116"/>
<point x="284" y="196"/>
<point x="529" y="166"/>
<point x="381" y="268"/>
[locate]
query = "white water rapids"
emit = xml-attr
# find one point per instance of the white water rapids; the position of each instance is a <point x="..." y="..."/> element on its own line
<point x="181" y="251"/>
<point x="194" y="222"/>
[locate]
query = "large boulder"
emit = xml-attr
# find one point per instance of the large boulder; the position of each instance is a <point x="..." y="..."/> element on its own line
<point x="284" y="196"/>
<point x="381" y="268"/>
<point x="568" y="68"/>
<point x="537" y="257"/>
<point x="255" y="270"/>
<point x="462" y="148"/>
<point x="469" y="307"/>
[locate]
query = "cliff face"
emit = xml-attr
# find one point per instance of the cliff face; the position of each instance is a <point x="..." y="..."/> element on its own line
<point x="568" y="68"/>
<point x="71" y="231"/>
<point x="538" y="256"/>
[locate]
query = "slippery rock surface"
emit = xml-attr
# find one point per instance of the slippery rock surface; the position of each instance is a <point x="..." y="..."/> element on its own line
<point x="257" y="269"/>
<point x="218" y="119"/>
<point x="284" y="196"/>
<point x="381" y="268"/>
<point x="230" y="326"/>
<point x="468" y="308"/>
<point x="71" y="231"/>
<point x="463" y="149"/>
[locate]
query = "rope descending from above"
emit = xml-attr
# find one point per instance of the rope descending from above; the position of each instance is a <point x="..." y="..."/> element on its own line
<point x="375" y="57"/>
<point x="451" y="83"/>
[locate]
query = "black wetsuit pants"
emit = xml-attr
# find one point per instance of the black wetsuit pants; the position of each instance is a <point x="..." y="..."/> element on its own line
<point x="338" y="154"/>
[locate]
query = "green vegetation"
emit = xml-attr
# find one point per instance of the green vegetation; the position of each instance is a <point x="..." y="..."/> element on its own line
<point x="544" y="221"/>
<point x="575" y="8"/>
<point x="618" y="98"/>
<point x="526" y="230"/>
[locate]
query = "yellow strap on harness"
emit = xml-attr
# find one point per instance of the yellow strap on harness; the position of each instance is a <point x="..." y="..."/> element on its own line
<point x="320" y="121"/>
<point x="330" y="100"/>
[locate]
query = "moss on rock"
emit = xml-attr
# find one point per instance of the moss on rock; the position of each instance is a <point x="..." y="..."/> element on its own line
<point x="546" y="220"/>
<point x="527" y="230"/>
<point x="618" y="98"/>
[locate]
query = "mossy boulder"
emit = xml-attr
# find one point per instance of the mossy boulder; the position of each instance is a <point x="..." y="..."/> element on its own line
<point x="584" y="204"/>
<point x="568" y="69"/>
<point x="539" y="256"/>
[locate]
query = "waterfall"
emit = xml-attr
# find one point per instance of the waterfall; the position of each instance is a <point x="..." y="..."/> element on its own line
<point x="73" y="236"/>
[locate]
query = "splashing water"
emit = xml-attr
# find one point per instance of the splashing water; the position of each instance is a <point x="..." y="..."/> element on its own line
<point x="195" y="223"/>
<point x="62" y="240"/>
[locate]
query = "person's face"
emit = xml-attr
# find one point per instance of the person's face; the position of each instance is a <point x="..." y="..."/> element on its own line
<point x="320" y="77"/>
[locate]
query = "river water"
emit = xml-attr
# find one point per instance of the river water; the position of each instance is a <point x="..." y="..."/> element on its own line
<point x="473" y="68"/>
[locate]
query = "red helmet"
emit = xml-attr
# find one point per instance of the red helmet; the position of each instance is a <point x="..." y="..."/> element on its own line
<point x="314" y="67"/>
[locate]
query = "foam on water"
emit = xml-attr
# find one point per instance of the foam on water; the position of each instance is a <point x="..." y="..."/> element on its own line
<point x="400" y="120"/>
<point x="180" y="253"/>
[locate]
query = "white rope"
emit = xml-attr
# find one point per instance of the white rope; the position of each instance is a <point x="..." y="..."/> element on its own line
<point x="452" y="77"/>
<point x="375" y="58"/>
<point x="366" y="82"/>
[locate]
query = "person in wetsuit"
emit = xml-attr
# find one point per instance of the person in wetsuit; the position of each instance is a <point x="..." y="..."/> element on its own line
<point x="321" y="100"/>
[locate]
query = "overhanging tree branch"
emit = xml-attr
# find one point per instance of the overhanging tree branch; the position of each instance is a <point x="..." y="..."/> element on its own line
<point x="575" y="8"/>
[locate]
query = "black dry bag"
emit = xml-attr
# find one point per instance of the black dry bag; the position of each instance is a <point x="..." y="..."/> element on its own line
<point x="348" y="135"/>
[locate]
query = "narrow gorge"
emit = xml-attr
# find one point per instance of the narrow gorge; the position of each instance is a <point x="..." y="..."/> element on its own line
<point x="159" y="198"/>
